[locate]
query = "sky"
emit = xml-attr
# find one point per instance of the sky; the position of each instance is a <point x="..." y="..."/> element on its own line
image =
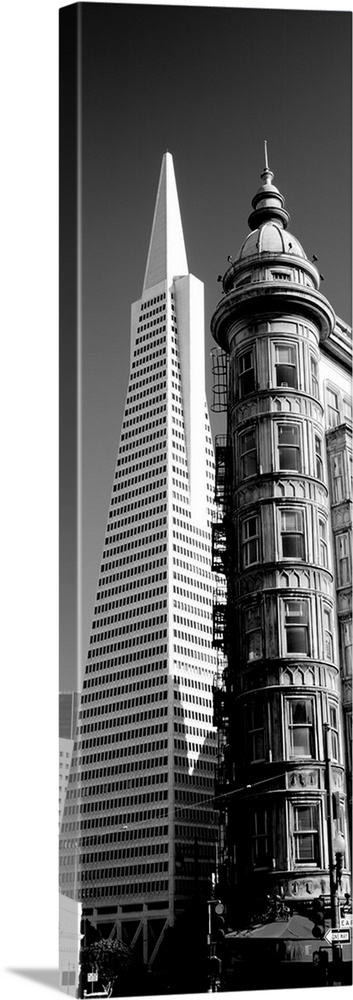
<point x="209" y="85"/>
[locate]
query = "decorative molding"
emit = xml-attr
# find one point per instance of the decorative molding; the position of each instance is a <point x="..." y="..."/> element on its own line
<point x="303" y="779"/>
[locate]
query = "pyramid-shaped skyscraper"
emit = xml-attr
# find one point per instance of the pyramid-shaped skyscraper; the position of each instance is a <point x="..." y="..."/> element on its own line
<point x="138" y="834"/>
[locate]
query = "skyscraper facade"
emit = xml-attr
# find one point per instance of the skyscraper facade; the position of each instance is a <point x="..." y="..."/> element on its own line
<point x="138" y="831"/>
<point x="285" y="705"/>
<point x="68" y="712"/>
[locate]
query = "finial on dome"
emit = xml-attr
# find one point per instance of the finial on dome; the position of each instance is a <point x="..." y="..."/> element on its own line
<point x="265" y="149"/>
<point x="268" y="202"/>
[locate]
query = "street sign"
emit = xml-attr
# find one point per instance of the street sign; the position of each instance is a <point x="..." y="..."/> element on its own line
<point x="92" y="977"/>
<point x="346" y="920"/>
<point x="336" y="936"/>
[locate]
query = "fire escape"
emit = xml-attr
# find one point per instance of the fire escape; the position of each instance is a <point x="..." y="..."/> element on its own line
<point x="219" y="567"/>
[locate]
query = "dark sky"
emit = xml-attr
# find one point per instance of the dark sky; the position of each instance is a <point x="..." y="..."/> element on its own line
<point x="209" y="84"/>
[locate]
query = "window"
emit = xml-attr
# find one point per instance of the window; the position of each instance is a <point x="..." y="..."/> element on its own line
<point x="286" y="366"/>
<point x="251" y="541"/>
<point x="289" y="447"/>
<point x="296" y="623"/>
<point x="314" y="377"/>
<point x="347" y="409"/>
<point x="292" y="534"/>
<point x="246" y="374"/>
<point x="333" y="719"/>
<point x="328" y="635"/>
<point x="306" y="834"/>
<point x="350" y="474"/>
<point x="337" y="478"/>
<point x="343" y="561"/>
<point x="319" y="467"/>
<point x="323" y="550"/>
<point x="253" y="634"/>
<point x="301" y="727"/>
<point x="347" y="647"/>
<point x="255" y="731"/>
<point x="281" y="275"/>
<point x="333" y="415"/>
<point x="248" y="454"/>
<point x="260" y="851"/>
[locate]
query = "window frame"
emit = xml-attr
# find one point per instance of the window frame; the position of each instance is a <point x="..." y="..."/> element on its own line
<point x="248" y="632"/>
<point x="243" y="455"/>
<point x="330" y="408"/>
<point x="282" y="511"/>
<point x="253" y="730"/>
<point x="323" y="542"/>
<point x="247" y="540"/>
<point x="314" y="377"/>
<point x="292" y="727"/>
<point x="334" y="731"/>
<point x="291" y="365"/>
<point x="314" y="830"/>
<point x="347" y="405"/>
<point x="243" y="374"/>
<point x="318" y="457"/>
<point x="282" y="425"/>
<point x="337" y="480"/>
<point x="327" y="632"/>
<point x="304" y="624"/>
<point x="259" y="836"/>
<point x="342" y="541"/>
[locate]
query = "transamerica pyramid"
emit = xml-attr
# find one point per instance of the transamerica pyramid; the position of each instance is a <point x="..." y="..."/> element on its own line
<point x="138" y="834"/>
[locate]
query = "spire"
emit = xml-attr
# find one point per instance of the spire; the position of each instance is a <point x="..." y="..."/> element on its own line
<point x="268" y="202"/>
<point x="167" y="255"/>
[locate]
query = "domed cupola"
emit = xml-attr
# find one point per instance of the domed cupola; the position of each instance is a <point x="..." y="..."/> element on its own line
<point x="271" y="270"/>
<point x="270" y="238"/>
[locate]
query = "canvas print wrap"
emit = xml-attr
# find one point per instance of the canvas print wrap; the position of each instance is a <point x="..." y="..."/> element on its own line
<point x="205" y="662"/>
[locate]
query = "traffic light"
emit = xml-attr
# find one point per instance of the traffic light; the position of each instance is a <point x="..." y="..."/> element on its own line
<point x="318" y="917"/>
<point x="217" y="921"/>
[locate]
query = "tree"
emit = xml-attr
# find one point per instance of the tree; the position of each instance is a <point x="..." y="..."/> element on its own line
<point x="109" y="958"/>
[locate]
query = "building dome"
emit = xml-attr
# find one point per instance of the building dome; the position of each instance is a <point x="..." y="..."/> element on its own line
<point x="270" y="237"/>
